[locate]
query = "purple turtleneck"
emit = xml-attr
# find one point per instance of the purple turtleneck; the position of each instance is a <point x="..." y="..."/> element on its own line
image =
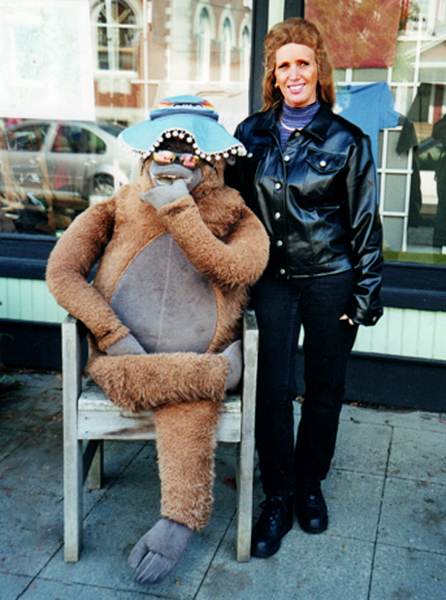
<point x="295" y="118"/>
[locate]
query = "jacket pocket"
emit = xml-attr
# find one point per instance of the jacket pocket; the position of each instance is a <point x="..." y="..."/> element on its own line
<point x="321" y="170"/>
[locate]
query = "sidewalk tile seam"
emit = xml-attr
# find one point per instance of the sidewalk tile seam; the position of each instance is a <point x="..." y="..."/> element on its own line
<point x="420" y="480"/>
<point x="359" y="471"/>
<point x="150" y="594"/>
<point x="411" y="548"/>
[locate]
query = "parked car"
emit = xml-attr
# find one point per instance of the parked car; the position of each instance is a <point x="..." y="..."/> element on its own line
<point x="65" y="164"/>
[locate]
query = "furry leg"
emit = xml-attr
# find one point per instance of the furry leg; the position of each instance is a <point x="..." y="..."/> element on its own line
<point x="186" y="442"/>
<point x="159" y="551"/>
<point x="146" y="381"/>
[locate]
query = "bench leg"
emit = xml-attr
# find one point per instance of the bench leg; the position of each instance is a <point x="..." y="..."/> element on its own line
<point x="73" y="509"/>
<point x="245" y="469"/>
<point x="244" y="504"/>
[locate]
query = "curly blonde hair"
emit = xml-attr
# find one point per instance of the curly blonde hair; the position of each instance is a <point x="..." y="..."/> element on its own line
<point x="296" y="31"/>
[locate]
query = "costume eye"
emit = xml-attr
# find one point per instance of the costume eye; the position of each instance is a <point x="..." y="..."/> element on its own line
<point x="191" y="161"/>
<point x="164" y="157"/>
<point x="167" y="157"/>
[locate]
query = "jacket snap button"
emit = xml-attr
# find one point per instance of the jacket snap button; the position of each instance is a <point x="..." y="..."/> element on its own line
<point x="277" y="216"/>
<point x="323" y="163"/>
<point x="287" y="158"/>
<point x="282" y="271"/>
<point x="250" y="155"/>
<point x="279" y="243"/>
<point x="278" y="186"/>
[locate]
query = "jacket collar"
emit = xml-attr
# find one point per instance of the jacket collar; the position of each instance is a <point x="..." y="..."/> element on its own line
<point x="318" y="127"/>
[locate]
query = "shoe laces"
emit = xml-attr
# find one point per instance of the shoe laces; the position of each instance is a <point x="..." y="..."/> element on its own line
<point x="271" y="509"/>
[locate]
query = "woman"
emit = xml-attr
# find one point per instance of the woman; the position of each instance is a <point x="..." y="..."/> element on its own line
<point x="309" y="176"/>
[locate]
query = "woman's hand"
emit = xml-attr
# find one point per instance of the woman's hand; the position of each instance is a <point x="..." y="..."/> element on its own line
<point x="346" y="318"/>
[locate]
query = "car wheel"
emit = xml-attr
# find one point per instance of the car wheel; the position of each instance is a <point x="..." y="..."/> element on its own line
<point x="103" y="185"/>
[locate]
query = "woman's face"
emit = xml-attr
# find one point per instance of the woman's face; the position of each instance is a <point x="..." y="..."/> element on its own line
<point x="296" y="74"/>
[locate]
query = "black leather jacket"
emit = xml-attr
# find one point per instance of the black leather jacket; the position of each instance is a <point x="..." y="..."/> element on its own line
<point x="317" y="200"/>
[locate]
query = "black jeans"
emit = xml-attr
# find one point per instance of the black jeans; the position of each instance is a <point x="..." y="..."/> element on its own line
<point x="282" y="307"/>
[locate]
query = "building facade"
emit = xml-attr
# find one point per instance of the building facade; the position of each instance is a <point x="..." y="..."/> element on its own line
<point x="146" y="50"/>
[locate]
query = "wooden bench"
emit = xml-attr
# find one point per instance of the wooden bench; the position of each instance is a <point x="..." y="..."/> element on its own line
<point x="90" y="417"/>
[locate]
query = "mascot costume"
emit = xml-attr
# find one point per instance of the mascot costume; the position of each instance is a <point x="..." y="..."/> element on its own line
<point x="178" y="251"/>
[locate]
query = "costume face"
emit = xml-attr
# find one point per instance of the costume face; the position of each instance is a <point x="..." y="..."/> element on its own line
<point x="296" y="74"/>
<point x="175" y="159"/>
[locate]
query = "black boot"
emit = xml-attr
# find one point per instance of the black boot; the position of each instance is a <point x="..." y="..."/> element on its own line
<point x="310" y="505"/>
<point x="274" y="522"/>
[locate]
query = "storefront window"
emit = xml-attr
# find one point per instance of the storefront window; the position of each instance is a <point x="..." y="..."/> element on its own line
<point x="411" y="155"/>
<point x="144" y="50"/>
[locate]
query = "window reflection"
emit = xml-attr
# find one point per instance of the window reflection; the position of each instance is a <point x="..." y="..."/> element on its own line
<point x="226" y="47"/>
<point x="204" y="45"/>
<point x="411" y="165"/>
<point x="427" y="223"/>
<point x="52" y="171"/>
<point x="118" y="35"/>
<point x="145" y="50"/>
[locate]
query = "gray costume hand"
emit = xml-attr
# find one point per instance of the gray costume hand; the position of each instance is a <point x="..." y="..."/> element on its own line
<point x="128" y="345"/>
<point x="165" y="194"/>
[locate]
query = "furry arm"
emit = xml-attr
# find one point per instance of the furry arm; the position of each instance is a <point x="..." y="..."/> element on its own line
<point x="70" y="264"/>
<point x="239" y="259"/>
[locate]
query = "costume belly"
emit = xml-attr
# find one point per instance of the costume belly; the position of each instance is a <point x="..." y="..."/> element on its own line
<point x="167" y="304"/>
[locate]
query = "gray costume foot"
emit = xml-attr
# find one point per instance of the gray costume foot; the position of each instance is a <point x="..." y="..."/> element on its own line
<point x="159" y="551"/>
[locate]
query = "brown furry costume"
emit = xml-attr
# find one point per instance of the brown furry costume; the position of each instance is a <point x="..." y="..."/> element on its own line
<point x="224" y="242"/>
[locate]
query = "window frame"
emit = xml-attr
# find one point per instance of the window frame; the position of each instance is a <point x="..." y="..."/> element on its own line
<point x="115" y="27"/>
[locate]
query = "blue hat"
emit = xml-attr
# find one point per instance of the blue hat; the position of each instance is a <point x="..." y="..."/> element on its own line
<point x="185" y="117"/>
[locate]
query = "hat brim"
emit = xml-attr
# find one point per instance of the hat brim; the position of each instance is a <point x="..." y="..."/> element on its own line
<point x="206" y="134"/>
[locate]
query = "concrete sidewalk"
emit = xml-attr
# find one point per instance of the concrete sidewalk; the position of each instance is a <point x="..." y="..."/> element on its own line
<point x="386" y="495"/>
